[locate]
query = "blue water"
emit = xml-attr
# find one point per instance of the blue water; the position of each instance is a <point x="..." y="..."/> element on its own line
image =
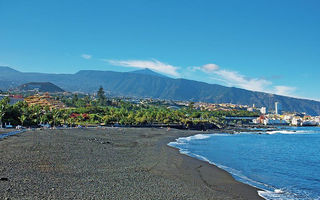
<point x="3" y="135"/>
<point x="284" y="164"/>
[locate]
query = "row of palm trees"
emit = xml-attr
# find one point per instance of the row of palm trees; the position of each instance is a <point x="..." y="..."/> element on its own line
<point x="124" y="113"/>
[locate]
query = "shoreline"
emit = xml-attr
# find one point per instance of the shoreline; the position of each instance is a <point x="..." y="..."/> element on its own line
<point x="9" y="133"/>
<point x="205" y="160"/>
<point x="243" y="193"/>
<point x="130" y="163"/>
<point x="244" y="190"/>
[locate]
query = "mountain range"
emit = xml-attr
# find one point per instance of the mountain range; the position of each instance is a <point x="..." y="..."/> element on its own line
<point x="146" y="83"/>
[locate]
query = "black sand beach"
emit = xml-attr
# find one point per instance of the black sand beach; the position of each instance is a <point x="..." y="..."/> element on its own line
<point x="112" y="163"/>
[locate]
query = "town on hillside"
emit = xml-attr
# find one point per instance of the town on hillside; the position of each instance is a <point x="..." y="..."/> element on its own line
<point x="43" y="109"/>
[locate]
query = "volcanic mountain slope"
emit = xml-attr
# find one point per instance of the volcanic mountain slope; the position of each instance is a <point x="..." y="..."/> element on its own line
<point x="40" y="87"/>
<point x="146" y="83"/>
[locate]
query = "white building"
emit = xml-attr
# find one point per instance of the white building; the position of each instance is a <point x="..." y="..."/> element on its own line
<point x="317" y="119"/>
<point x="250" y="109"/>
<point x="296" y="121"/>
<point x="288" y="118"/>
<point x="263" y="110"/>
<point x="278" y="108"/>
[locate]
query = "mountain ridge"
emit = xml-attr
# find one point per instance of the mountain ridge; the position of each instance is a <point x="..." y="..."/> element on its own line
<point x="147" y="71"/>
<point x="40" y="87"/>
<point x="146" y="85"/>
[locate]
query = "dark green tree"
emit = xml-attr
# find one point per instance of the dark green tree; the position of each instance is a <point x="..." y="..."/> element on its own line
<point x="101" y="96"/>
<point x="3" y="107"/>
<point x="75" y="99"/>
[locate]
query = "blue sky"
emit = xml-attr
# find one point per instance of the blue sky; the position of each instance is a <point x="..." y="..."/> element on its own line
<point x="262" y="45"/>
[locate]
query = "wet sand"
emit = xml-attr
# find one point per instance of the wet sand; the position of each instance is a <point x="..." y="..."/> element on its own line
<point x="112" y="163"/>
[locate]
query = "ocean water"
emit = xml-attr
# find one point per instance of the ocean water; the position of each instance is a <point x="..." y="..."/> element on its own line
<point x="283" y="164"/>
<point x="4" y="135"/>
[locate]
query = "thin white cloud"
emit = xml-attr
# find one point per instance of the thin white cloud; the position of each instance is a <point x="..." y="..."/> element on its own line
<point x="86" y="56"/>
<point x="150" y="64"/>
<point x="210" y="68"/>
<point x="239" y="80"/>
<point x="233" y="78"/>
<point x="284" y="90"/>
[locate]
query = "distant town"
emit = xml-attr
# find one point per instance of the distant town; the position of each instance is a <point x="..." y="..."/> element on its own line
<point x="267" y="117"/>
<point x="81" y="109"/>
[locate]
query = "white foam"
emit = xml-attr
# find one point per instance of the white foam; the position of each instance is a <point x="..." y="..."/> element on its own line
<point x="184" y="152"/>
<point x="197" y="137"/>
<point x="222" y="134"/>
<point x="271" y="195"/>
<point x="202" y="158"/>
<point x="280" y="194"/>
<point x="289" y="132"/>
<point x="278" y="191"/>
<point x="184" y="140"/>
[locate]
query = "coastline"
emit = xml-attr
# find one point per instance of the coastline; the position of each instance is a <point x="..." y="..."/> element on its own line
<point x="210" y="163"/>
<point x="213" y="177"/>
<point x="8" y="133"/>
<point x="111" y="163"/>
<point x="2" y="130"/>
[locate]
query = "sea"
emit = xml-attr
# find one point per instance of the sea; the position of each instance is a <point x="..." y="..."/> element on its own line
<point x="4" y="135"/>
<point x="283" y="164"/>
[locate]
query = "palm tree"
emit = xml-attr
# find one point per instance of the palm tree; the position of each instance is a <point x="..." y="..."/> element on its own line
<point x="56" y="116"/>
<point x="70" y="121"/>
<point x="43" y="119"/>
<point x="2" y="112"/>
<point x="64" y="116"/>
<point x="22" y="119"/>
<point x="3" y="108"/>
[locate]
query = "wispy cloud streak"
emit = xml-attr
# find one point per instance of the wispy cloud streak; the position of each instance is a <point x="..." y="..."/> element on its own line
<point x="236" y="79"/>
<point x="150" y="64"/>
<point x="86" y="56"/>
<point x="284" y="90"/>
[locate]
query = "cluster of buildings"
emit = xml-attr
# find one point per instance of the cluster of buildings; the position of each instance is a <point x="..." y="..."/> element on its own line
<point x="221" y="106"/>
<point x="153" y="101"/>
<point x="288" y="119"/>
<point x="280" y="118"/>
<point x="44" y="100"/>
<point x="13" y="98"/>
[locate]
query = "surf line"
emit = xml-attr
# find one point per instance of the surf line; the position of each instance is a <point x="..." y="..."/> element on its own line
<point x="4" y="135"/>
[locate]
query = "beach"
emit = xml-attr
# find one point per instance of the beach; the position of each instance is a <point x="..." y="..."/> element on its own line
<point x="111" y="163"/>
